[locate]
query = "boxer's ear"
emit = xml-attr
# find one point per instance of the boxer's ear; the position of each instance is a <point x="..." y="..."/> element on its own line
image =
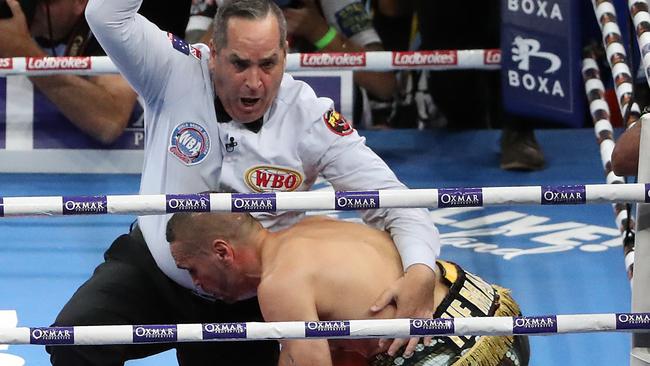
<point x="223" y="250"/>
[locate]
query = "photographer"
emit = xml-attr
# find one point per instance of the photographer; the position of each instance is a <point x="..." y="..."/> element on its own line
<point x="101" y="105"/>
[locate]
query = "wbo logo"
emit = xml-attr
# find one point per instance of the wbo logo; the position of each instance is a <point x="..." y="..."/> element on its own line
<point x="525" y="48"/>
<point x="269" y="178"/>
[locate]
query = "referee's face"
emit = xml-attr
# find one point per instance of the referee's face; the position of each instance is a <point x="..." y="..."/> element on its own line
<point x="247" y="71"/>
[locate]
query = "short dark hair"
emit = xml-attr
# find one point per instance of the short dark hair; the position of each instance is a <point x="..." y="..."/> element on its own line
<point x="197" y="227"/>
<point x="247" y="9"/>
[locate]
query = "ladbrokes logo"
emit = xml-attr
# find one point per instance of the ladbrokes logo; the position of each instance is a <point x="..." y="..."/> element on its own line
<point x="6" y="63"/>
<point x="492" y="57"/>
<point x="58" y="63"/>
<point x="333" y="59"/>
<point x="418" y="58"/>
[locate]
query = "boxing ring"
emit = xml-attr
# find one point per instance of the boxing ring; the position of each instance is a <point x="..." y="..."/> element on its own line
<point x="557" y="260"/>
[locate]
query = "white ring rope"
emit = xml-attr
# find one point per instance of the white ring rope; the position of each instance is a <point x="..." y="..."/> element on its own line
<point x="489" y="59"/>
<point x="617" y="58"/>
<point x="370" y="328"/>
<point x="324" y="200"/>
<point x="641" y="20"/>
<point x="600" y="114"/>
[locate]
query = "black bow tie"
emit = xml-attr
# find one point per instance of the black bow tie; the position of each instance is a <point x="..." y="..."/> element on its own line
<point x="224" y="117"/>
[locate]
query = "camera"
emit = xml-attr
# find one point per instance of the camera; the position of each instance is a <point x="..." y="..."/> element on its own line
<point x="28" y="6"/>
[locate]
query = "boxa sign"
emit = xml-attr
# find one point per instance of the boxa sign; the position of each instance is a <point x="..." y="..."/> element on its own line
<point x="541" y="60"/>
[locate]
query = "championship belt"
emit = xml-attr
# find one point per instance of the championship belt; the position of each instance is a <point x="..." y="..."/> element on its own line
<point x="469" y="296"/>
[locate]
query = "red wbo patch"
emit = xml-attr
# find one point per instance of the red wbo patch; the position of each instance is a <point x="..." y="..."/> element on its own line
<point x="337" y="123"/>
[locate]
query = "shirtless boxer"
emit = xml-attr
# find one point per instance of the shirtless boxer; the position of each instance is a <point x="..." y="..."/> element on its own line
<point x="324" y="269"/>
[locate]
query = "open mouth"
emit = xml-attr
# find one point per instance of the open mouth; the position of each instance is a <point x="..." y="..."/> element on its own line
<point x="249" y="102"/>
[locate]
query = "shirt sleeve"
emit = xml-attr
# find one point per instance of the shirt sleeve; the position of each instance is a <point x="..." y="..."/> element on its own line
<point x="346" y="162"/>
<point x="139" y="49"/>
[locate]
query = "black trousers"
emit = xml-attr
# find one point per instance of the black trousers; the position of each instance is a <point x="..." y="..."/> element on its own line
<point x="128" y="288"/>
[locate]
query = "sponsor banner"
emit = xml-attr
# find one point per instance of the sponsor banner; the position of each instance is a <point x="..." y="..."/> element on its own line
<point x="154" y="333"/>
<point x="564" y="195"/>
<point x="52" y="130"/>
<point x="51" y="335"/>
<point x="256" y="202"/>
<point x="188" y="202"/>
<point x="425" y="58"/>
<point x="633" y="321"/>
<point x="224" y="330"/>
<point x="327" y="329"/>
<point x="336" y="85"/>
<point x="3" y="113"/>
<point x="334" y="59"/>
<point x="347" y="201"/>
<point x="6" y="63"/>
<point x="534" y="324"/>
<point x="84" y="205"/>
<point x="492" y="57"/>
<point x="58" y="63"/>
<point x="421" y="327"/>
<point x="460" y="197"/>
<point x="540" y="72"/>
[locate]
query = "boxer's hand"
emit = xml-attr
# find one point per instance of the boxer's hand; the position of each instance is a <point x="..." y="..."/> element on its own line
<point x="413" y="296"/>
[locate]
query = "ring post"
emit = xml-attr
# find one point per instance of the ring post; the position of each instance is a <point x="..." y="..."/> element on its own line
<point x="640" y="355"/>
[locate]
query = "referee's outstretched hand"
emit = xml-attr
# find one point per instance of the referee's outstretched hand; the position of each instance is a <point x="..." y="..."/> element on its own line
<point x="412" y="294"/>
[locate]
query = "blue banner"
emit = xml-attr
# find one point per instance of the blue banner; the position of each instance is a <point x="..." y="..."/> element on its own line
<point x="541" y="62"/>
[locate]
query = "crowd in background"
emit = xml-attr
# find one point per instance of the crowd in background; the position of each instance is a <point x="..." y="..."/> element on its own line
<point x="101" y="106"/>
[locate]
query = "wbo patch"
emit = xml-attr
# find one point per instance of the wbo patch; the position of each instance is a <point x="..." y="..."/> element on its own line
<point x="268" y="178"/>
<point x="190" y="143"/>
<point x="337" y="123"/>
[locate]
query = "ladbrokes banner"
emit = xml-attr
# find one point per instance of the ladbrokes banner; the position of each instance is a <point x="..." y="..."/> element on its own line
<point x="540" y="45"/>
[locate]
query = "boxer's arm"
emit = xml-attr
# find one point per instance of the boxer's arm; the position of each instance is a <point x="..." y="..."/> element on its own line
<point x="625" y="157"/>
<point x="290" y="297"/>
<point x="349" y="164"/>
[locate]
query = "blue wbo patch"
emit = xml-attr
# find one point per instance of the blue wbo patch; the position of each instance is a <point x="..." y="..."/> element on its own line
<point x="190" y="143"/>
<point x="179" y="44"/>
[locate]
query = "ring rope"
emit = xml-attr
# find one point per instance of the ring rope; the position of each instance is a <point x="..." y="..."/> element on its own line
<point x="488" y="59"/>
<point x="639" y="13"/>
<point x="617" y="59"/>
<point x="324" y="200"/>
<point x="347" y="329"/>
<point x="600" y="114"/>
